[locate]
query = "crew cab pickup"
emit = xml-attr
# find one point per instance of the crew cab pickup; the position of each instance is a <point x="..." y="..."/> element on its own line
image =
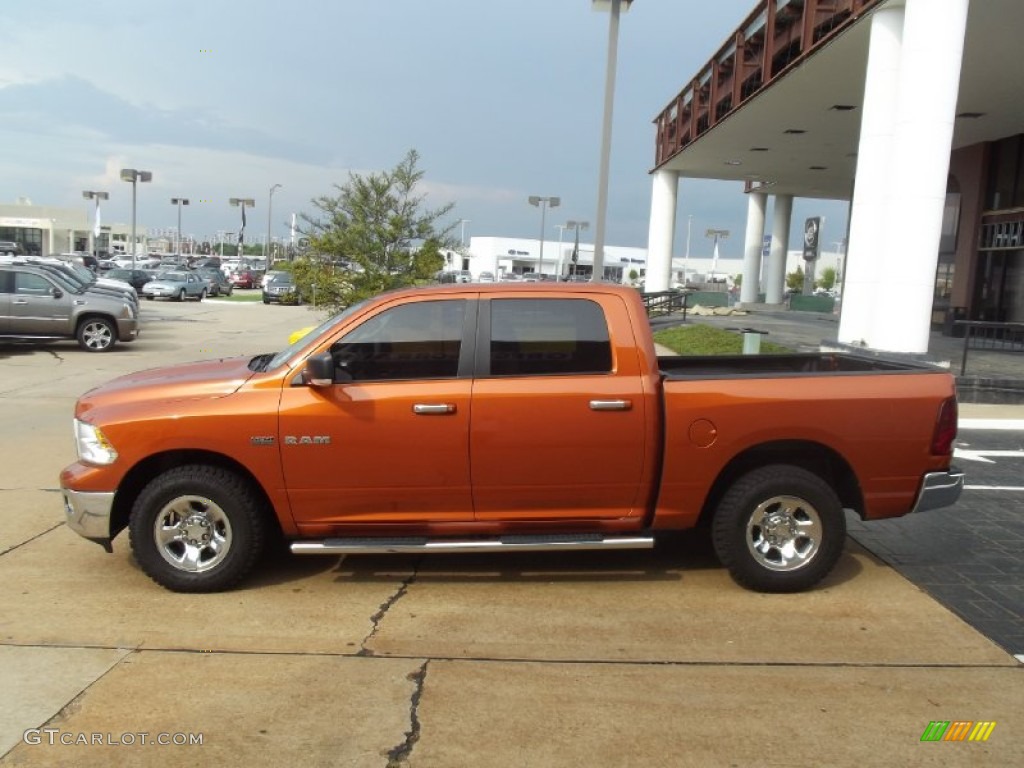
<point x="496" y="417"/>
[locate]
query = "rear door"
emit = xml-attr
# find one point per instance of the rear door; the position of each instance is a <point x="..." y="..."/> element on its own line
<point x="559" y="428"/>
<point x="6" y="286"/>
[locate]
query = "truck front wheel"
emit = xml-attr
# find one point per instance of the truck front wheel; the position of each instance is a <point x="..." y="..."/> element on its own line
<point x="779" y="528"/>
<point x="197" y="528"/>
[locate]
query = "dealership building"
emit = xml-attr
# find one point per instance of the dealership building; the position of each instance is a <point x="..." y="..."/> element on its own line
<point x="908" y="109"/>
<point x="42" y="230"/>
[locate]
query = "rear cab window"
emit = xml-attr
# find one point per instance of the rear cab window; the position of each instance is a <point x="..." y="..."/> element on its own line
<point x="536" y="337"/>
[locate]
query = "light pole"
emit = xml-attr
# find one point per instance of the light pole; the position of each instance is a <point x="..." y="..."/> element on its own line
<point x="717" y="234"/>
<point x="243" y="203"/>
<point x="576" y="226"/>
<point x="89" y="194"/>
<point x="462" y="233"/>
<point x="543" y="202"/>
<point x="606" y="128"/>
<point x="270" y="207"/>
<point x="134" y="176"/>
<point x="686" y="258"/>
<point x="178" y="201"/>
<point x="561" y="229"/>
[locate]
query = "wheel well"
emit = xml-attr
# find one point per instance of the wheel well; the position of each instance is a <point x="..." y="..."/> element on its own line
<point x="141" y="474"/>
<point x="814" y="457"/>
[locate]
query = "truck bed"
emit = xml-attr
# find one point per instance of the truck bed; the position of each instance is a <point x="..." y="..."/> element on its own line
<point x="760" y="366"/>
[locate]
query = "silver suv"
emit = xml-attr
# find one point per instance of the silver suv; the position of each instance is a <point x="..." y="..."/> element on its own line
<point x="37" y="303"/>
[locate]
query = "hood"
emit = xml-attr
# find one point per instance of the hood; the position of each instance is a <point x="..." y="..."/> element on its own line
<point x="187" y="381"/>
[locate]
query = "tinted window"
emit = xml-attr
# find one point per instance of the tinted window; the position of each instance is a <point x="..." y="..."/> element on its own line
<point x="412" y="341"/>
<point x="27" y="284"/>
<point x="545" y="336"/>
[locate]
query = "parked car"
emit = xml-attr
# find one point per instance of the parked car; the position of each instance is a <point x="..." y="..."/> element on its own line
<point x="486" y="277"/>
<point x="136" y="278"/>
<point x="281" y="290"/>
<point x="770" y="452"/>
<point x="217" y="283"/>
<point x="178" y="284"/>
<point x="42" y="304"/>
<point x="245" y="278"/>
<point x="10" y="248"/>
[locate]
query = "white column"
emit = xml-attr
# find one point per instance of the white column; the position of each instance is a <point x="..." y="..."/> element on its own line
<point x="933" y="42"/>
<point x="665" y="189"/>
<point x="866" y="259"/>
<point x="775" y="272"/>
<point x="752" y="245"/>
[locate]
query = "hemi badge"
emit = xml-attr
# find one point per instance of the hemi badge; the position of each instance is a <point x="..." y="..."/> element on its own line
<point x="261" y="440"/>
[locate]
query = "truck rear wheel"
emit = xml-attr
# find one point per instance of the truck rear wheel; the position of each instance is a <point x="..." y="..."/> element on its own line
<point x="197" y="528"/>
<point x="779" y="528"/>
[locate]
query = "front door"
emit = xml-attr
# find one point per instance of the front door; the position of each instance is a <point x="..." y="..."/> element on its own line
<point x="389" y="441"/>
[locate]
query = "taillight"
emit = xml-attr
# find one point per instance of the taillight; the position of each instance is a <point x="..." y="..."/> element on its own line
<point x="945" y="428"/>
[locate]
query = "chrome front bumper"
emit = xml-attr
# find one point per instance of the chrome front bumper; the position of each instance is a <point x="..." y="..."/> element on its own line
<point x="939" y="489"/>
<point x="88" y="515"/>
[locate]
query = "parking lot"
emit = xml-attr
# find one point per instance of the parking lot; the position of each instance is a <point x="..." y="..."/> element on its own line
<point x="623" y="658"/>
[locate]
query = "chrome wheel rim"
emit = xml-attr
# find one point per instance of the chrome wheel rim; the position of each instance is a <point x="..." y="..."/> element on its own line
<point x="784" y="533"/>
<point x="192" y="533"/>
<point x="97" y="335"/>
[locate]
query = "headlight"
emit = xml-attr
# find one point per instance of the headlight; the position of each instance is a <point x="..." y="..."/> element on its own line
<point x="92" y="445"/>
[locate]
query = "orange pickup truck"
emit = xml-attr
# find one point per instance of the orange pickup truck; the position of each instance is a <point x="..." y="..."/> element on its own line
<point x="467" y="418"/>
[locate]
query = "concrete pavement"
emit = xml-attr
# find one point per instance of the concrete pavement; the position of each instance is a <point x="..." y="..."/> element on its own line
<point x="623" y="658"/>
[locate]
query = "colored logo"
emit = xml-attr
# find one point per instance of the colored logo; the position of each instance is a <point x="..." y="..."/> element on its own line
<point x="958" y="730"/>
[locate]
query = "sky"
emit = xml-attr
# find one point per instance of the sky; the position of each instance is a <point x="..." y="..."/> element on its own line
<point x="224" y="98"/>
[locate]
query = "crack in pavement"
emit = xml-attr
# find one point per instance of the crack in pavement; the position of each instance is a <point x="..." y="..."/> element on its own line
<point x="399" y="755"/>
<point x="29" y="541"/>
<point x="384" y="608"/>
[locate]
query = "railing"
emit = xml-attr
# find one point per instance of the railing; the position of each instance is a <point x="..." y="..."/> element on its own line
<point x="1000" y="337"/>
<point x="774" y="38"/>
<point x="665" y="303"/>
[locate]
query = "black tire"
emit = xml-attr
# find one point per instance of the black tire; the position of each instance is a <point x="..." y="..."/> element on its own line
<point x="230" y="289"/>
<point x="202" y="295"/>
<point x="220" y="506"/>
<point x="96" y="334"/>
<point x="779" y="528"/>
<point x="266" y="301"/>
<point x="181" y="295"/>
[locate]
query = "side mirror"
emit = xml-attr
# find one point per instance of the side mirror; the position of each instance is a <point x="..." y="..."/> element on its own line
<point x="56" y="292"/>
<point x="320" y="371"/>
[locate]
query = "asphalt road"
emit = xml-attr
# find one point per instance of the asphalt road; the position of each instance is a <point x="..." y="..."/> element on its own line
<point x="603" y="659"/>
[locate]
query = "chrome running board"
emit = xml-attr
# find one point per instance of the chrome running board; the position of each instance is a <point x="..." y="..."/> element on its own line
<point x="543" y="543"/>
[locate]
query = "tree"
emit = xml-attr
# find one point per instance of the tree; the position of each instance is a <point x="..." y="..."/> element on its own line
<point x="795" y="280"/>
<point x="375" y="234"/>
<point x="828" y="278"/>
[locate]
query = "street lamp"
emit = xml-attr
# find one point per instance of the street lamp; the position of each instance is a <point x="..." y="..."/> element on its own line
<point x="561" y="230"/>
<point x="243" y="203"/>
<point x="606" y="129"/>
<point x="178" y="201"/>
<point x="270" y="207"/>
<point x="134" y="176"/>
<point x="717" y="234"/>
<point x="576" y="226"/>
<point x="543" y="202"/>
<point x="89" y="194"/>
<point x="462" y="234"/>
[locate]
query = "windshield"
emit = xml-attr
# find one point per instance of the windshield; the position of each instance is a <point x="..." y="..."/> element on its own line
<point x="84" y="273"/>
<point x="286" y="355"/>
<point x="179" y="277"/>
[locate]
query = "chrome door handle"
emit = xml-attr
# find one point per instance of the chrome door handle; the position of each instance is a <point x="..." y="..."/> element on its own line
<point x="430" y="409"/>
<point x="19" y="301"/>
<point x="610" y="405"/>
